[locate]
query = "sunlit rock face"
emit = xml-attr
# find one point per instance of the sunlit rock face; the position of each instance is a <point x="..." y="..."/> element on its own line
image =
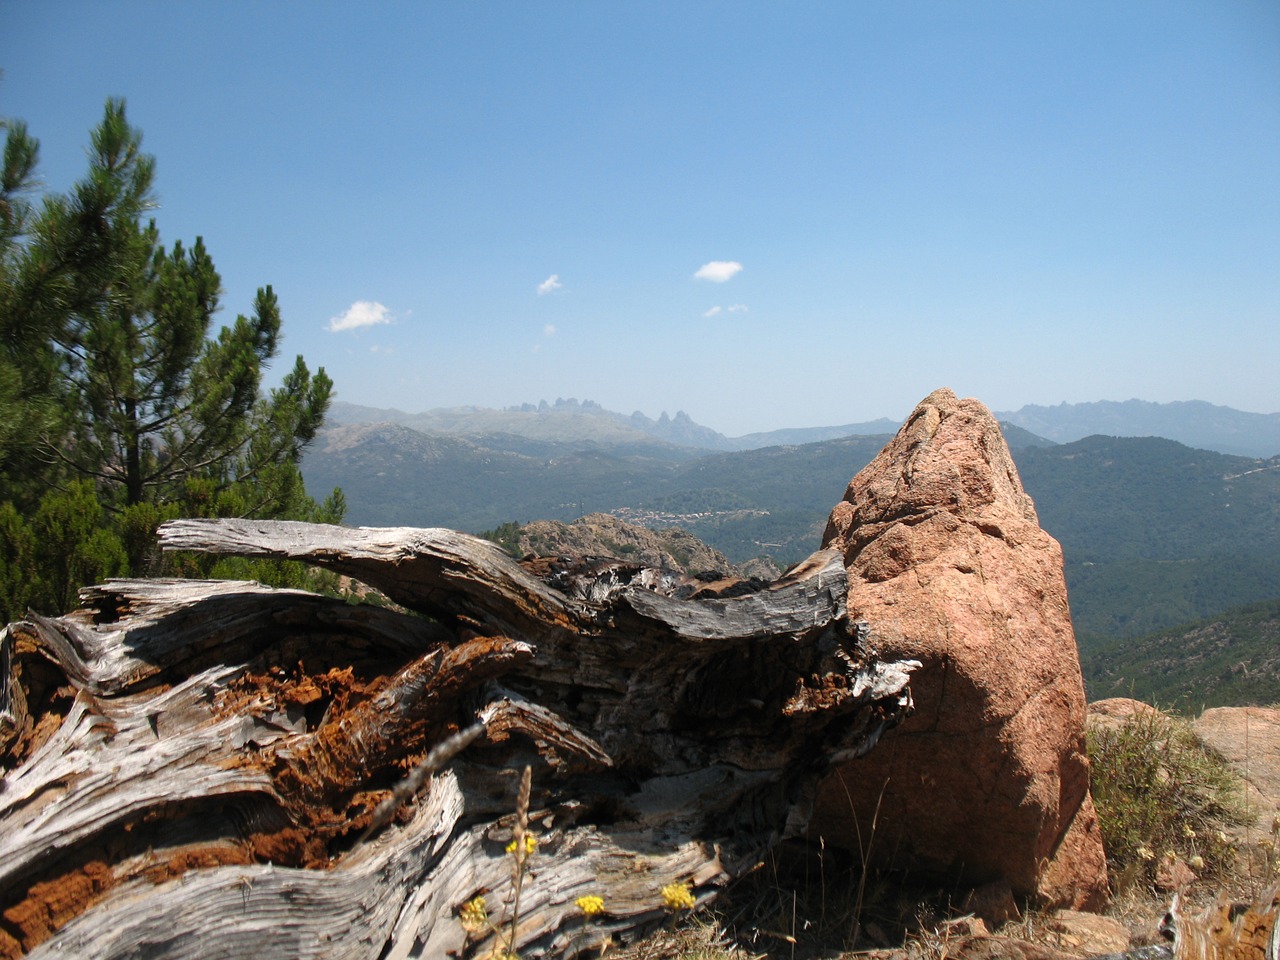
<point x="948" y="563"/>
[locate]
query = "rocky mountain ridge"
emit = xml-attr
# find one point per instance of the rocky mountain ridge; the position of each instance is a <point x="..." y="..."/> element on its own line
<point x="1192" y="422"/>
<point x="1195" y="423"/>
<point x="573" y="421"/>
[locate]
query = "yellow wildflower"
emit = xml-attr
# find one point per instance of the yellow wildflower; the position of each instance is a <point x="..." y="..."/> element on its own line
<point x="530" y="845"/>
<point x="473" y="915"/>
<point x="1188" y="831"/>
<point x="1146" y="853"/>
<point x="677" y="896"/>
<point x="1196" y="862"/>
<point x="590" y="905"/>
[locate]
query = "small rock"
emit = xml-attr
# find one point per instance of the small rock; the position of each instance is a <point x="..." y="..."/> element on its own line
<point x="1088" y="934"/>
<point x="1248" y="738"/>
<point x="965" y="927"/>
<point x="1117" y="711"/>
<point x="1174" y="875"/>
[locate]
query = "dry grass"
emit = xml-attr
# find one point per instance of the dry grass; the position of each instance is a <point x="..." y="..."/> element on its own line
<point x="699" y="938"/>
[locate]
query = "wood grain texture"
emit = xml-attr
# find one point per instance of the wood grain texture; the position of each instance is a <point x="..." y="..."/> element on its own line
<point x="191" y="768"/>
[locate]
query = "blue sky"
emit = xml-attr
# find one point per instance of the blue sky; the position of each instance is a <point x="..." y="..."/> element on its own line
<point x="494" y="203"/>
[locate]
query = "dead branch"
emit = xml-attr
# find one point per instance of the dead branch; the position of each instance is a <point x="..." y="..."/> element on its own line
<point x="207" y="769"/>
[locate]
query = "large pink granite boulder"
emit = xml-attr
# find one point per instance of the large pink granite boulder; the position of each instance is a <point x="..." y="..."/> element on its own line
<point x="947" y="561"/>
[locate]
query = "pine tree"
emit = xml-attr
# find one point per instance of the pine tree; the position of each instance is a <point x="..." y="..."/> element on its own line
<point x="27" y="363"/>
<point x="110" y="369"/>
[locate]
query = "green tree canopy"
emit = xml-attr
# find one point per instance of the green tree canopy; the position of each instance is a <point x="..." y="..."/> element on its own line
<point x="112" y="376"/>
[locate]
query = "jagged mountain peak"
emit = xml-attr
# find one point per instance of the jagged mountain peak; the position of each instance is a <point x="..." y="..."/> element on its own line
<point x="1192" y="422"/>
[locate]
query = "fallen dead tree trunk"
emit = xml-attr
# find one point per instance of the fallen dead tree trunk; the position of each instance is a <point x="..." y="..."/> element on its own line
<point x="210" y="769"/>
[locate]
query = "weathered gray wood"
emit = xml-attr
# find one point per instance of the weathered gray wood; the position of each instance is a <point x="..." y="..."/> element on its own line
<point x="204" y="769"/>
<point x="434" y="571"/>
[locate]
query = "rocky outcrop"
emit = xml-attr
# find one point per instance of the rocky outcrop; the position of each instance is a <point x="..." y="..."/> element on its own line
<point x="1248" y="739"/>
<point x="1087" y="934"/>
<point x="1115" y="712"/>
<point x="604" y="535"/>
<point x="989" y="778"/>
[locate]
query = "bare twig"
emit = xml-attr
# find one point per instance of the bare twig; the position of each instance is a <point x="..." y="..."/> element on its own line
<point x="440" y="754"/>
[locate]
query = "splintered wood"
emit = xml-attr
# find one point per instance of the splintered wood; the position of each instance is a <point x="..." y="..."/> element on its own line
<point x="203" y="769"/>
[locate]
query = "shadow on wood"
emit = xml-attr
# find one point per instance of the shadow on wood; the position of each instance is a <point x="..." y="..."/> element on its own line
<point x="216" y="769"/>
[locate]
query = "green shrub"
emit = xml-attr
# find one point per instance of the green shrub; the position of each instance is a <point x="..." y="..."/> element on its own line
<point x="1161" y="795"/>
<point x="507" y="536"/>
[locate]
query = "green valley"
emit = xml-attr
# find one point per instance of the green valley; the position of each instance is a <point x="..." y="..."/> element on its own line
<point x="1154" y="533"/>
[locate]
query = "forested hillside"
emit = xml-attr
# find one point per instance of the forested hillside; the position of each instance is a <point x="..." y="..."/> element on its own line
<point x="772" y="501"/>
<point x="1154" y="532"/>
<point x="1227" y="660"/>
<point x="1148" y="498"/>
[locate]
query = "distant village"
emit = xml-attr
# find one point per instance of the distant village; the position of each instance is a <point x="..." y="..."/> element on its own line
<point x="657" y="519"/>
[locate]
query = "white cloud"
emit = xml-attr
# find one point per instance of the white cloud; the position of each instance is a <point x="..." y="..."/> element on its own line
<point x="549" y="330"/>
<point x="362" y="313"/>
<point x="549" y="285"/>
<point x="718" y="271"/>
<point x="732" y="308"/>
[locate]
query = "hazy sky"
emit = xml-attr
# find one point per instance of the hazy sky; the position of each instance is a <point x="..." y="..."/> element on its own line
<point x="767" y="215"/>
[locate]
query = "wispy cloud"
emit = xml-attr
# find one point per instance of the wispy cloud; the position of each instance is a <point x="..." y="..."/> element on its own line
<point x="732" y="308"/>
<point x="548" y="332"/>
<point x="362" y="313"/>
<point x="718" y="271"/>
<point x="549" y="285"/>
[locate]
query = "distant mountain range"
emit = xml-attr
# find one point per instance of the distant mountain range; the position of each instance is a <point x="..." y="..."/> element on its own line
<point x="1193" y="422"/>
<point x="1155" y="533"/>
